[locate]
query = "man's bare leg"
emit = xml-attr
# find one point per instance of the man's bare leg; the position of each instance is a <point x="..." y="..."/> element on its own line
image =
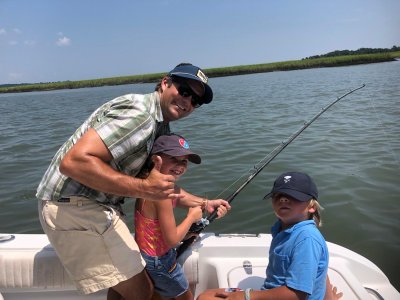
<point x="210" y="294"/>
<point x="113" y="295"/>
<point x="139" y="287"/>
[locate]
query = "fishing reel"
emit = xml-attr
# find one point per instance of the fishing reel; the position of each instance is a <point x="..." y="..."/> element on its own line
<point x="199" y="225"/>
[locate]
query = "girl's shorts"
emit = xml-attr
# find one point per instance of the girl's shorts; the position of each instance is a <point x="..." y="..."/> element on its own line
<point x="167" y="274"/>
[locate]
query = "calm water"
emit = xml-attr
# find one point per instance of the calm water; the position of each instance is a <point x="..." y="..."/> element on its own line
<point x="352" y="150"/>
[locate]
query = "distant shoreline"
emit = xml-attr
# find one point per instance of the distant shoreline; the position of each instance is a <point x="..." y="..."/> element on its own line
<point x="309" y="63"/>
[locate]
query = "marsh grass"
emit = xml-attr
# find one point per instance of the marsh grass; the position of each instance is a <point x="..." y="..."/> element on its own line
<point x="308" y="63"/>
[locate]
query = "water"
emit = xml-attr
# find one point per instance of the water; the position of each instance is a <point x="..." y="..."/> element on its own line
<point x="352" y="150"/>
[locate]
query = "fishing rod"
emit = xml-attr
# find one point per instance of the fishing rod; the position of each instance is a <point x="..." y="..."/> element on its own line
<point x="198" y="227"/>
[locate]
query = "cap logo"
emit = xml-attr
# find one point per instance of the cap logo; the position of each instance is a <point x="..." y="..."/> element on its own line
<point x="183" y="143"/>
<point x="286" y="179"/>
<point x="202" y="76"/>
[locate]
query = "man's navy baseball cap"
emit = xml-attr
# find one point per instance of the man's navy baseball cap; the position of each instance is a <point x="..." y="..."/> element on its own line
<point x="190" y="71"/>
<point x="174" y="145"/>
<point x="297" y="185"/>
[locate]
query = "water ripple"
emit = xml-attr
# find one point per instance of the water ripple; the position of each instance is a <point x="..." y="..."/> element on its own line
<point x="352" y="151"/>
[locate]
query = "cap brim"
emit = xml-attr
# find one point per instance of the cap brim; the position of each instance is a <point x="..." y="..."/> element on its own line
<point x="208" y="94"/>
<point x="292" y="193"/>
<point x="192" y="157"/>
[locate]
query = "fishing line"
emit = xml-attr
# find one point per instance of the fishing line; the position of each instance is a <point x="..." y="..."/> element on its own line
<point x="270" y="156"/>
<point x="278" y="149"/>
<point x="252" y="170"/>
<point x="198" y="227"/>
<point x="245" y="174"/>
<point x="380" y="123"/>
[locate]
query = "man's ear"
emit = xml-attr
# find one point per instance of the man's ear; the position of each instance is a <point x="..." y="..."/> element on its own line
<point x="166" y="82"/>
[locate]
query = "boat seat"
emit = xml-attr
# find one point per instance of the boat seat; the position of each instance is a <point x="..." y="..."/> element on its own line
<point x="39" y="270"/>
<point x="31" y="268"/>
<point x="190" y="264"/>
<point x="339" y="273"/>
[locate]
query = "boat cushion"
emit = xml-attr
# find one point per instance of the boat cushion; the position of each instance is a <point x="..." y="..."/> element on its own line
<point x="41" y="269"/>
<point x="31" y="268"/>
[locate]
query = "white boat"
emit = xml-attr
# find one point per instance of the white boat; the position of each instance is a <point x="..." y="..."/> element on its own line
<point x="30" y="269"/>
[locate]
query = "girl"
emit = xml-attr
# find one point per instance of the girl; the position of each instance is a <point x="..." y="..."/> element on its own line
<point x="156" y="231"/>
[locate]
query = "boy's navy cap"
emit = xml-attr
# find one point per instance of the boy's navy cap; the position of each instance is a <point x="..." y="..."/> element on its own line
<point x="192" y="72"/>
<point x="174" y="145"/>
<point x="298" y="185"/>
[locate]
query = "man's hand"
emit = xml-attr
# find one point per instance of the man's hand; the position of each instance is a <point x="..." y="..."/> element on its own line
<point x="158" y="186"/>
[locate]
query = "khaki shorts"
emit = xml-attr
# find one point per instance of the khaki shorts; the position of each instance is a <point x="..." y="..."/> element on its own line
<point x="92" y="241"/>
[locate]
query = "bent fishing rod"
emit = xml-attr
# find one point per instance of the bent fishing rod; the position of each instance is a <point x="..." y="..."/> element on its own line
<point x="196" y="228"/>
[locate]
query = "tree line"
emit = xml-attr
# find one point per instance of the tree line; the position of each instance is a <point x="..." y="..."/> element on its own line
<point x="356" y="52"/>
<point x="331" y="59"/>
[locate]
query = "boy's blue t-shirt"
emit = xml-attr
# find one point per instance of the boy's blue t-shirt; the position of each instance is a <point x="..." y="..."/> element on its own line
<point x="298" y="258"/>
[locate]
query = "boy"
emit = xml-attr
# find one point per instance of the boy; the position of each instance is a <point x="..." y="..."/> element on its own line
<point x="298" y="256"/>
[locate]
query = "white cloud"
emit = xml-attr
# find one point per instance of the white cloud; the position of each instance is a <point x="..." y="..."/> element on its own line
<point x="13" y="43"/>
<point x="63" y="41"/>
<point x="3" y="31"/>
<point x="17" y="31"/>
<point x="29" y="43"/>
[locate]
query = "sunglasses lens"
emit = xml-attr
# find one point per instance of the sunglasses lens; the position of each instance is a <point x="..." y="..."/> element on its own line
<point x="186" y="91"/>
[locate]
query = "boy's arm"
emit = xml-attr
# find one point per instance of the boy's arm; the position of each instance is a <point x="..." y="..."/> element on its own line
<point x="279" y="293"/>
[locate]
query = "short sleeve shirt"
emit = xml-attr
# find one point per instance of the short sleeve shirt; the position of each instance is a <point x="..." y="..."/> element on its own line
<point x="128" y="126"/>
<point x="298" y="259"/>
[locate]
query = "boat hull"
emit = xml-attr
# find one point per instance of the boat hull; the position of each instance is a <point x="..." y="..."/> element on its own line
<point x="30" y="269"/>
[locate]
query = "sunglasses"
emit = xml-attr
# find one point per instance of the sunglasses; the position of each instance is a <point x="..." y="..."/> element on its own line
<point x="185" y="91"/>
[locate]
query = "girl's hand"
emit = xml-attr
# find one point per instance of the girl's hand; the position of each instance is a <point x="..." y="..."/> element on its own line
<point x="195" y="213"/>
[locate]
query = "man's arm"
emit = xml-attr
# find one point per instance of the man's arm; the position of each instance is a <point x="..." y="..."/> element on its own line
<point x="88" y="163"/>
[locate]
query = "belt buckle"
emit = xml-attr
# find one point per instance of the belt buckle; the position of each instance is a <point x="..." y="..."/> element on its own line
<point x="64" y="200"/>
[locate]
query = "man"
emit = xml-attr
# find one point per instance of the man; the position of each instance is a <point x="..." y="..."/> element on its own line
<point x="81" y="192"/>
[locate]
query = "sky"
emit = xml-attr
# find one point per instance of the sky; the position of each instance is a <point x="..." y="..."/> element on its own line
<point x="57" y="40"/>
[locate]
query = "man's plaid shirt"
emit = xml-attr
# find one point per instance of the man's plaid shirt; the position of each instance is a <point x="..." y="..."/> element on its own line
<point x="128" y="126"/>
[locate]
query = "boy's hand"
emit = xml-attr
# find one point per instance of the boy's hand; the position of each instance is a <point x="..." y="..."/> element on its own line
<point x="221" y="205"/>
